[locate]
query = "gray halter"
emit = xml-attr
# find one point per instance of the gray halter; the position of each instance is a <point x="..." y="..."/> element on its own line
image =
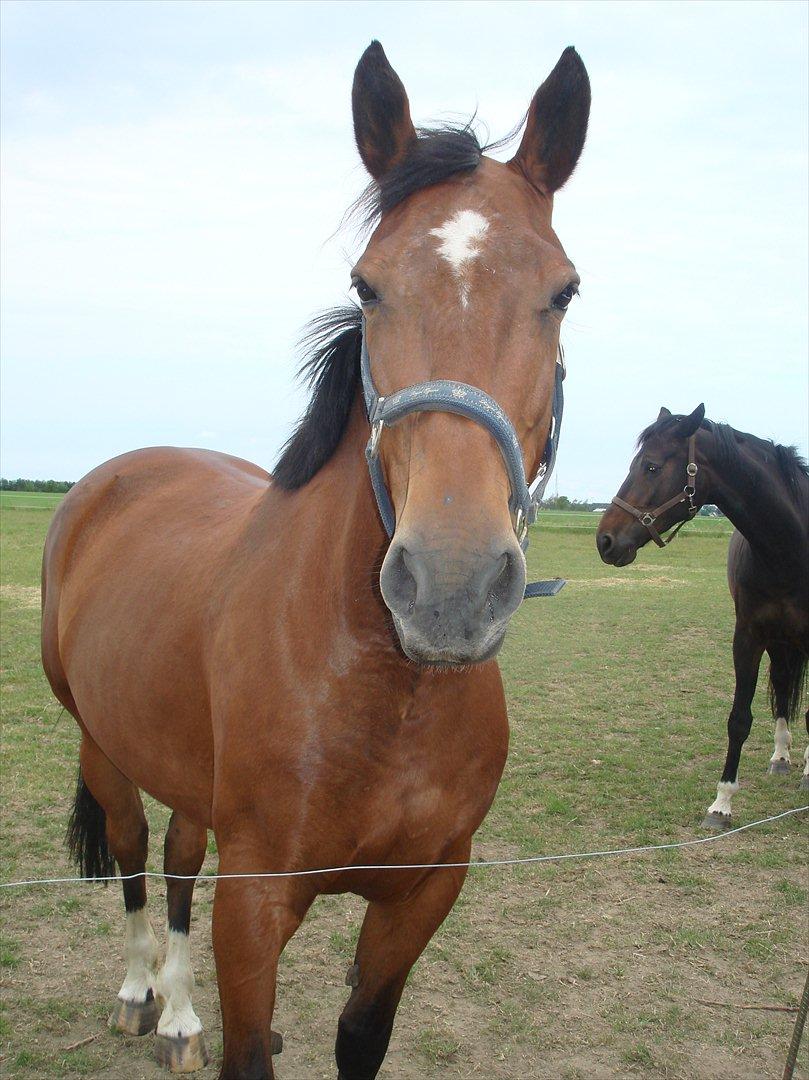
<point x="447" y="395"/>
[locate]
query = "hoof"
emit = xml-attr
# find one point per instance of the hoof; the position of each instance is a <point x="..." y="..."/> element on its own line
<point x="717" y="822"/>
<point x="804" y="782"/>
<point x="276" y="1042"/>
<point x="135" y="1017"/>
<point x="779" y="768"/>
<point x="181" y="1053"/>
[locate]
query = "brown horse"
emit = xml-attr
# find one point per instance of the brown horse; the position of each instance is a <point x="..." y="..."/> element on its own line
<point x="684" y="462"/>
<point x="225" y="638"/>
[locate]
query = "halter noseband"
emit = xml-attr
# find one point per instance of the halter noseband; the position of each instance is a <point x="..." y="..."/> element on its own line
<point x="447" y="395"/>
<point x="649" y="517"/>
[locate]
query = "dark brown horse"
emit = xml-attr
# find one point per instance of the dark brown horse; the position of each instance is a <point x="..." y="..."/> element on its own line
<point x="684" y="462"/>
<point x="227" y="643"/>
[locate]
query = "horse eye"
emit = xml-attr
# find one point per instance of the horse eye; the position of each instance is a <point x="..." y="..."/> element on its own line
<point x="561" y="301"/>
<point x="652" y="468"/>
<point x="364" y="291"/>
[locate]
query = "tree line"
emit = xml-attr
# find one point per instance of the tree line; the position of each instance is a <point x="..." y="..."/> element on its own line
<point x="35" y="485"/>
<point x="562" y="502"/>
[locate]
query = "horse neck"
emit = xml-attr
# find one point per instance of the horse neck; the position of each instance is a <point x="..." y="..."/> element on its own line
<point x="339" y="538"/>
<point x="754" y="496"/>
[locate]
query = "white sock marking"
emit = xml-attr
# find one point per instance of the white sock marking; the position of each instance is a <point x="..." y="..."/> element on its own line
<point x="460" y="238"/>
<point x="175" y="984"/>
<point x="783" y="741"/>
<point x="806" y="761"/>
<point x="724" y="793"/>
<point x="141" y="957"/>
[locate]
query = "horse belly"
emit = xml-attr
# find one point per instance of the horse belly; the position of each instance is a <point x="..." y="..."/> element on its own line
<point x="132" y="572"/>
<point x="144" y="703"/>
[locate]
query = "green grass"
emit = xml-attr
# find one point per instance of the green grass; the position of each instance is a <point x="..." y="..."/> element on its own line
<point x="587" y="521"/>
<point x="29" y="500"/>
<point x="618" y="693"/>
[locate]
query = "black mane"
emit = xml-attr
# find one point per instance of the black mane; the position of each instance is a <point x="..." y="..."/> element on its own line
<point x="333" y="339"/>
<point x="789" y="463"/>
<point x="332" y="369"/>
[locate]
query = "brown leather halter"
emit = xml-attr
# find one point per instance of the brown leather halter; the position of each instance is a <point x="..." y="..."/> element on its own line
<point x="649" y="517"/>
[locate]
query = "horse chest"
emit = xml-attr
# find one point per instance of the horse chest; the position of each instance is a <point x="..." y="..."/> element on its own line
<point x="428" y="788"/>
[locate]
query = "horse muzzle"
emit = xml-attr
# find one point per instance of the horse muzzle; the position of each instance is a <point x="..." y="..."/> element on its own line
<point x="616" y="550"/>
<point x="450" y="608"/>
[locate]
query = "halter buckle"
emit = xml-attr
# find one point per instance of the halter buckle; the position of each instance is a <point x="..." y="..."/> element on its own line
<point x="692" y="468"/>
<point x="376" y="435"/>
<point x="520" y="524"/>
<point x="647" y="519"/>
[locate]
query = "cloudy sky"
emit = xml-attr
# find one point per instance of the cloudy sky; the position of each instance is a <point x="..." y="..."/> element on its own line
<point x="175" y="173"/>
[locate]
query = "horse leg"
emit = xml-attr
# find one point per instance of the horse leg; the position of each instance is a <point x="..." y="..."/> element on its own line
<point x="780" y="681"/>
<point x="180" y="1043"/>
<point x="394" y="934"/>
<point x="136" y="1012"/>
<point x="747" y="653"/>
<point x="252" y="922"/>
<point x="805" y="777"/>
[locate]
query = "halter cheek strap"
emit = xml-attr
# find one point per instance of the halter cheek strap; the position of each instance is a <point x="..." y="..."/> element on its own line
<point x="688" y="494"/>
<point x="447" y="395"/>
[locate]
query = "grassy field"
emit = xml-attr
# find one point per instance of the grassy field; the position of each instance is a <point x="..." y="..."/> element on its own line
<point x="29" y="500"/>
<point x="648" y="965"/>
<point x="588" y="522"/>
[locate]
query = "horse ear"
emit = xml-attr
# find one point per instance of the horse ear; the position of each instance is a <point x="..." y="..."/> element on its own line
<point x="382" y="125"/>
<point x="664" y="412"/>
<point x="689" y="424"/>
<point x="557" y="125"/>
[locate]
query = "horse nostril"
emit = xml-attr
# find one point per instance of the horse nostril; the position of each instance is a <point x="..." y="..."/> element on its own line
<point x="398" y="582"/>
<point x="507" y="586"/>
<point x="502" y="578"/>
<point x="604" y="543"/>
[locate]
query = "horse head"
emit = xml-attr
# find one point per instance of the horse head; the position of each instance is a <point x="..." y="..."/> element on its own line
<point x="463" y="279"/>
<point x="659" y="491"/>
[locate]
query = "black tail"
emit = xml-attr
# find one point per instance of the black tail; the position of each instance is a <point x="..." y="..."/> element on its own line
<point x="795" y="664"/>
<point x="87" y="835"/>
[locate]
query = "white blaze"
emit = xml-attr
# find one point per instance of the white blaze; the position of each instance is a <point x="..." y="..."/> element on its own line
<point x="175" y="984"/>
<point x="461" y="237"/>
<point x="141" y="957"/>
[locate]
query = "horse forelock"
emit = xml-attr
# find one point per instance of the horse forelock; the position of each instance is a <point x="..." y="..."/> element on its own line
<point x="436" y="155"/>
<point x="662" y="427"/>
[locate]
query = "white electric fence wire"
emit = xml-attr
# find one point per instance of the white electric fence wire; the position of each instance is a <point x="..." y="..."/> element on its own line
<point x="415" y="866"/>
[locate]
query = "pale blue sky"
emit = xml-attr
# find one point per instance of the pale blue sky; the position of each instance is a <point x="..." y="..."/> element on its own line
<point x="174" y="174"/>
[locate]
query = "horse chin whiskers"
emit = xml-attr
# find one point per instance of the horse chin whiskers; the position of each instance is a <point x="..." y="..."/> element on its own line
<point x="427" y="655"/>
